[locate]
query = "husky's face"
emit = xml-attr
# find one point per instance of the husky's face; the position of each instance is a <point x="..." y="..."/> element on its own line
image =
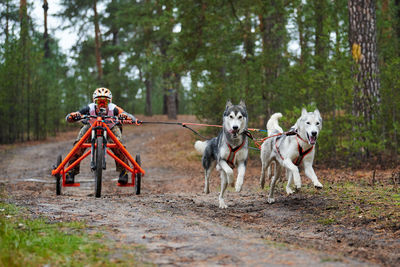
<point x="235" y="118"/>
<point x="309" y="125"/>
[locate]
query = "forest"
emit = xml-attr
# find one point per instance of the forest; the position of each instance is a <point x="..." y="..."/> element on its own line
<point x="189" y="56"/>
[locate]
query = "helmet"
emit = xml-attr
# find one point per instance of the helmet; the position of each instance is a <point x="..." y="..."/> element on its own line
<point x="102" y="97"/>
<point x="102" y="92"/>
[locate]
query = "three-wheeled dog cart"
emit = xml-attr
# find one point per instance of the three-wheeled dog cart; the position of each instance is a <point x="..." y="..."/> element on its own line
<point x="96" y="139"/>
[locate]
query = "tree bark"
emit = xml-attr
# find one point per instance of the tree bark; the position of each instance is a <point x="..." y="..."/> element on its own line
<point x="6" y="30"/>
<point x="97" y="42"/>
<point x="272" y="28"/>
<point x="24" y="96"/>
<point x="170" y="93"/>
<point x="362" y="38"/>
<point x="320" y="36"/>
<point x="45" y="34"/>
<point x="302" y="39"/>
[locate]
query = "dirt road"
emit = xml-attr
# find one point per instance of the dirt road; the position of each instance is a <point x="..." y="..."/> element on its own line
<point x="179" y="225"/>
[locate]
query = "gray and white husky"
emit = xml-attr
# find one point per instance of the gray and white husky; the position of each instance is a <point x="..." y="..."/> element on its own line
<point x="228" y="150"/>
<point x="289" y="150"/>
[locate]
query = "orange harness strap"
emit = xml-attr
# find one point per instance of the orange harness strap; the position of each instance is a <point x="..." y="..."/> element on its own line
<point x="232" y="153"/>
<point x="302" y="153"/>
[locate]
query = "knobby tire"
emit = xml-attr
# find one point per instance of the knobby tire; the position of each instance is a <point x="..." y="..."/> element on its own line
<point x="138" y="176"/>
<point x="98" y="172"/>
<point x="58" y="176"/>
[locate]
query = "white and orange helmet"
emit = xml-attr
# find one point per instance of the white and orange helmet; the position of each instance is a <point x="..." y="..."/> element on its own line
<point x="102" y="92"/>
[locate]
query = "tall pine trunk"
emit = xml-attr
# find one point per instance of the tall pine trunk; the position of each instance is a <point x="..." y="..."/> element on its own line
<point x="97" y="42"/>
<point x="169" y="76"/>
<point x="362" y="39"/>
<point x="272" y="28"/>
<point x="149" y="88"/>
<point x="45" y="34"/>
<point x="23" y="95"/>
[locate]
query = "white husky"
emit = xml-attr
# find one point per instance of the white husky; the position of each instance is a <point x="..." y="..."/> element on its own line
<point x="290" y="150"/>
<point x="227" y="151"/>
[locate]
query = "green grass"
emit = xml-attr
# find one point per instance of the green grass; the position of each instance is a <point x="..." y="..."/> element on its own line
<point x="36" y="242"/>
<point x="326" y="221"/>
<point x="358" y="202"/>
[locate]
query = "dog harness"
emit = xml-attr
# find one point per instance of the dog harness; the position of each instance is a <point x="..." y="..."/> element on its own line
<point x="232" y="153"/>
<point x="302" y="153"/>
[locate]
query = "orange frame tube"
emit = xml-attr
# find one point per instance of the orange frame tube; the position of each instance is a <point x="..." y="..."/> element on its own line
<point x="81" y="144"/>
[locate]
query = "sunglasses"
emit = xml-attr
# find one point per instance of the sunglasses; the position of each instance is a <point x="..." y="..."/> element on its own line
<point x="102" y="102"/>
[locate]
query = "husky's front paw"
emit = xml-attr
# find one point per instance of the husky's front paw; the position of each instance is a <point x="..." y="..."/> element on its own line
<point x="298" y="186"/>
<point x="289" y="191"/>
<point x="318" y="185"/>
<point x="262" y="180"/>
<point x="238" y="187"/>
<point x="271" y="200"/>
<point x="222" y="204"/>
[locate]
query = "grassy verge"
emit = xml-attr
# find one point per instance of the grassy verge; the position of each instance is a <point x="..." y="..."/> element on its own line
<point x="359" y="204"/>
<point x="37" y="242"/>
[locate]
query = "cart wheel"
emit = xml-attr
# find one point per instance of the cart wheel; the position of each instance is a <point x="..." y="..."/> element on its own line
<point x="99" y="155"/>
<point x="58" y="176"/>
<point x="138" y="176"/>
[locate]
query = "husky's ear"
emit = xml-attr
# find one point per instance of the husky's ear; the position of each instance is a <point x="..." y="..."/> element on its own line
<point x="228" y="104"/>
<point x="303" y="112"/>
<point x="316" y="112"/>
<point x="241" y="103"/>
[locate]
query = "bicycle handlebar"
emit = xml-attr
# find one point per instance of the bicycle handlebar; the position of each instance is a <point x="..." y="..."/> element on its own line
<point x="85" y="118"/>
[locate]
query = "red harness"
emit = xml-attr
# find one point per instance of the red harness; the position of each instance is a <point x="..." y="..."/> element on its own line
<point x="302" y="153"/>
<point x="232" y="153"/>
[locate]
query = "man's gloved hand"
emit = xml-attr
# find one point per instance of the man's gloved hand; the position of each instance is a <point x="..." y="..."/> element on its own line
<point x="123" y="116"/>
<point x="74" y="116"/>
<point x="138" y="122"/>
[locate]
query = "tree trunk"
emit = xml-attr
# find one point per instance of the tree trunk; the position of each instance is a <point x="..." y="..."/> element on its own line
<point x="248" y="42"/>
<point x="362" y="39"/>
<point x="397" y="4"/>
<point x="148" y="109"/>
<point x="320" y="36"/>
<point x="24" y="71"/>
<point x="45" y="34"/>
<point x="170" y="95"/>
<point x="149" y="88"/>
<point x="170" y="100"/>
<point x="97" y="42"/>
<point x="272" y="28"/>
<point x="302" y="39"/>
<point x="321" y="53"/>
<point x="6" y="30"/>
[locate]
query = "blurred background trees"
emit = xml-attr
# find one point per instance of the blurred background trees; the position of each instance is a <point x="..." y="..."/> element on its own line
<point x="188" y="57"/>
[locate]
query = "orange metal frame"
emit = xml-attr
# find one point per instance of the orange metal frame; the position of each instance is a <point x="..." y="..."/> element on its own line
<point x="82" y="143"/>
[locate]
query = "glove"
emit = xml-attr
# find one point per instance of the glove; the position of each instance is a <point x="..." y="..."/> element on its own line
<point x="138" y="122"/>
<point x="74" y="116"/>
<point x="123" y="116"/>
